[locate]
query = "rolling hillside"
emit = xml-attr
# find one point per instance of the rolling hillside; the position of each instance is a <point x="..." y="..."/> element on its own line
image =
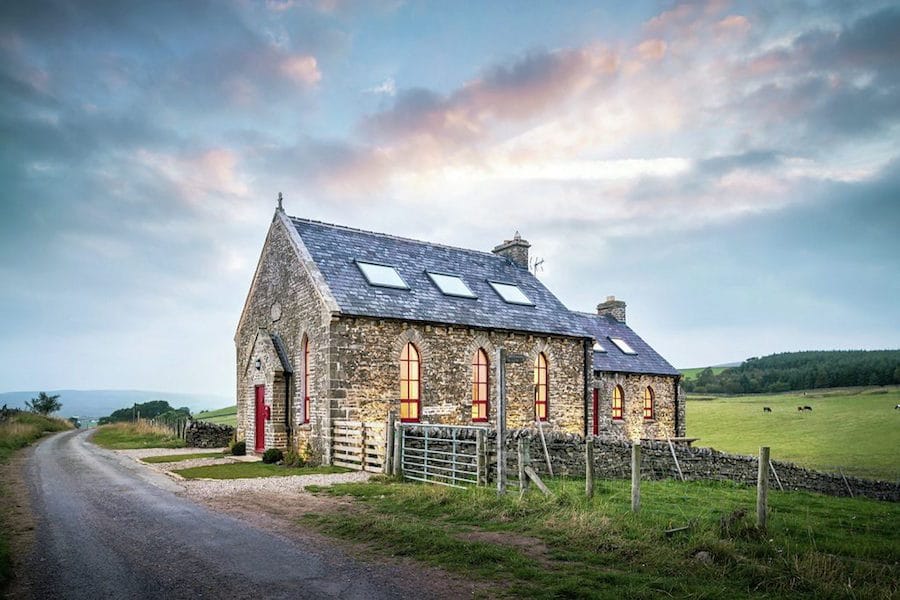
<point x="99" y="403"/>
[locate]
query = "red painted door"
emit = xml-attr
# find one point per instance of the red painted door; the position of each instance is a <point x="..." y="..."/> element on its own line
<point x="260" y="418"/>
<point x="596" y="411"/>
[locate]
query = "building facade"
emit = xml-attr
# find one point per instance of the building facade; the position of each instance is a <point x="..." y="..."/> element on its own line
<point x="341" y="323"/>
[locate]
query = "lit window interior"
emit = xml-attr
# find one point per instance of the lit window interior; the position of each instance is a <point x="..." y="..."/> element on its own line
<point x="622" y="345"/>
<point x="511" y="293"/>
<point x="382" y="275"/>
<point x="451" y="285"/>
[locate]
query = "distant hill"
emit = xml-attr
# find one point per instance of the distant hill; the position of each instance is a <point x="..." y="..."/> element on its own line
<point x="100" y="403"/>
<point x="788" y="371"/>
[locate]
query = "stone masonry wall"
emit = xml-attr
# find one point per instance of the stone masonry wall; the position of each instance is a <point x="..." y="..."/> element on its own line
<point x="281" y="279"/>
<point x="633" y="425"/>
<point x="365" y="362"/>
<point x="200" y="434"/>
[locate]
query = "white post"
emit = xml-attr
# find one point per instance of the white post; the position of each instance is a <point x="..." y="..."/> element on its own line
<point x="762" y="487"/>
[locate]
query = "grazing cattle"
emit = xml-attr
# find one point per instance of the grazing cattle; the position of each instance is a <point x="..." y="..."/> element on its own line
<point x="799" y="409"/>
<point x="766" y="409"/>
<point x="807" y="408"/>
<point x="895" y="408"/>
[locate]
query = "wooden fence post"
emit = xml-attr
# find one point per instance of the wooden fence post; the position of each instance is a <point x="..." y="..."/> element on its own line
<point x="523" y="479"/>
<point x="635" y="476"/>
<point x="762" y="487"/>
<point x="398" y="449"/>
<point x="389" y="442"/>
<point x="480" y="458"/>
<point x="589" y="467"/>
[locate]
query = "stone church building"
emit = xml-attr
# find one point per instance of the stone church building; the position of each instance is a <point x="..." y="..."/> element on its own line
<point x="341" y="323"/>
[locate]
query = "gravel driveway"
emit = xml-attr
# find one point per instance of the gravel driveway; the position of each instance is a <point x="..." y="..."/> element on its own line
<point x="109" y="527"/>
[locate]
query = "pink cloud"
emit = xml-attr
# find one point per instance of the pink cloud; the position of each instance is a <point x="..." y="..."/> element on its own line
<point x="651" y="50"/>
<point x="301" y="69"/>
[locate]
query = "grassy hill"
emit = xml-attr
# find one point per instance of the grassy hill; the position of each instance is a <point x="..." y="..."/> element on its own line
<point x="99" y="403"/>
<point x="221" y="416"/>
<point x="692" y="373"/>
<point x="856" y="430"/>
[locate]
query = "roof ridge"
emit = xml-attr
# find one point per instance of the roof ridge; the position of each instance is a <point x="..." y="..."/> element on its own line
<point x="396" y="237"/>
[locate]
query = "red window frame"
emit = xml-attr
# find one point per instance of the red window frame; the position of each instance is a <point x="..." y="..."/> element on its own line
<point x="541" y="388"/>
<point x="618" y="403"/>
<point x="648" y="403"/>
<point x="410" y="384"/>
<point x="480" y="386"/>
<point x="306" y="381"/>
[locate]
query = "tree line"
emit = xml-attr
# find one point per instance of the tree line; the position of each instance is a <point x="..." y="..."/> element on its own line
<point x="154" y="409"/>
<point x="790" y="371"/>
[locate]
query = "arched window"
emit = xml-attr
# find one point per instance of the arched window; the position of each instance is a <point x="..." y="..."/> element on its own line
<point x="617" y="404"/>
<point x="540" y="387"/>
<point x="480" y="385"/>
<point x="306" y="380"/>
<point x="410" y="371"/>
<point x="648" y="403"/>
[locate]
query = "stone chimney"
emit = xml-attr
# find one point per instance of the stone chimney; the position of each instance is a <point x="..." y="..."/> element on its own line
<point x="612" y="307"/>
<point x="515" y="250"/>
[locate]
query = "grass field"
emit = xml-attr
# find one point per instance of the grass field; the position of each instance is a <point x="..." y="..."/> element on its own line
<point x="243" y="470"/>
<point x="170" y="458"/>
<point x="17" y="432"/>
<point x="693" y="373"/>
<point x="123" y="436"/>
<point x="221" y="416"/>
<point x="855" y="430"/>
<point x="570" y="547"/>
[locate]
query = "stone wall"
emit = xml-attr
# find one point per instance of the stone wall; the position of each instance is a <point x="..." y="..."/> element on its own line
<point x="633" y="425"/>
<point x="284" y="300"/>
<point x="200" y="434"/>
<point x="612" y="460"/>
<point x="365" y="373"/>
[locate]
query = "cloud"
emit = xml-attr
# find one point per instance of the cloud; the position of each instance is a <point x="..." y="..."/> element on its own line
<point x="302" y="69"/>
<point x="386" y="88"/>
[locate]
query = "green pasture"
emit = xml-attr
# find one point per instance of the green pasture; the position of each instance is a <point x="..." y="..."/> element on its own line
<point x="857" y="431"/>
<point x="221" y="416"/>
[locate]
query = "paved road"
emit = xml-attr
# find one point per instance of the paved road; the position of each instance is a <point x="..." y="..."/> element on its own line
<point x="110" y="528"/>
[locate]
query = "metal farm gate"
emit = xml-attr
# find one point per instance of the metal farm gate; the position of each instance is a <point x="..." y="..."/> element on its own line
<point x="358" y="445"/>
<point x="451" y="455"/>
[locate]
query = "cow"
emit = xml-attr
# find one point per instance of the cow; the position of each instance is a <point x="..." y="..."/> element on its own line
<point x="766" y="409"/>
<point x="809" y="408"/>
<point x="895" y="408"/>
<point x="799" y="409"/>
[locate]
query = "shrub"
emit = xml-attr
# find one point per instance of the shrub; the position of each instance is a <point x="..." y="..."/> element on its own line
<point x="239" y="448"/>
<point x="294" y="459"/>
<point x="272" y="455"/>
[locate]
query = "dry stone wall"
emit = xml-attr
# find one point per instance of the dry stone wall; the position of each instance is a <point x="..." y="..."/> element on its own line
<point x="612" y="460"/>
<point x="200" y="434"/>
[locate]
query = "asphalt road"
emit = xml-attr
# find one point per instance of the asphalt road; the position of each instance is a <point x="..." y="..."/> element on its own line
<point x="110" y="528"/>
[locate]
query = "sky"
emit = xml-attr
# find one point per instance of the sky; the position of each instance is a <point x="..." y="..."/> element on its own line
<point x="730" y="170"/>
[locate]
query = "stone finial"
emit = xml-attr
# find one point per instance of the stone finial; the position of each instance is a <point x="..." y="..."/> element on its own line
<point x="280" y="198"/>
<point x="612" y="307"/>
<point x="515" y="250"/>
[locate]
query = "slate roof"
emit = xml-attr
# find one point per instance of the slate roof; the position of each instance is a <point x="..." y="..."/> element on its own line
<point x="334" y="249"/>
<point x="603" y="327"/>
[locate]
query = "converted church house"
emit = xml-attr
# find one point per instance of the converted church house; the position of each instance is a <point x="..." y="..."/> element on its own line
<point x="341" y="323"/>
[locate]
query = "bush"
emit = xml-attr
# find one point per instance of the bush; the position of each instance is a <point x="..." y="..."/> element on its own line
<point x="293" y="459"/>
<point x="239" y="448"/>
<point x="273" y="455"/>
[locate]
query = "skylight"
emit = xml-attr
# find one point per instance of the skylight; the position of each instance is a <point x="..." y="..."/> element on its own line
<point x="511" y="293"/>
<point x="382" y="275"/>
<point x="622" y="345"/>
<point x="451" y="285"/>
<point x="598" y="347"/>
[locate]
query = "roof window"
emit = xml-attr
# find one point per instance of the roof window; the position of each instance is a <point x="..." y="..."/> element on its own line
<point x="451" y="285"/>
<point x="382" y="275"/>
<point x="622" y="345"/>
<point x="598" y="347"/>
<point x="511" y="293"/>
